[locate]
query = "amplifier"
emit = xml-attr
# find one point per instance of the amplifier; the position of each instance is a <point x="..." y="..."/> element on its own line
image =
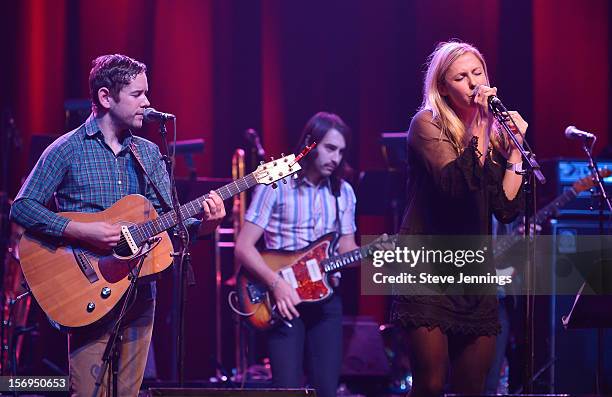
<point x="573" y="354"/>
<point x="561" y="174"/>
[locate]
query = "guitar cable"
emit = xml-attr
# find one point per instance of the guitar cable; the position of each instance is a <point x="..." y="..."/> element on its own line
<point x="273" y="312"/>
<point x="233" y="295"/>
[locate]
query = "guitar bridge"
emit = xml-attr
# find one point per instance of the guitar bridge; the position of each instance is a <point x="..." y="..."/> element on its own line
<point x="85" y="265"/>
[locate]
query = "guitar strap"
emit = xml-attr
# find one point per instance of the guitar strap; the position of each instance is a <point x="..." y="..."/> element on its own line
<point x="338" y="215"/>
<point x="336" y="191"/>
<point x="338" y="227"/>
<point x="134" y="149"/>
<point x="163" y="202"/>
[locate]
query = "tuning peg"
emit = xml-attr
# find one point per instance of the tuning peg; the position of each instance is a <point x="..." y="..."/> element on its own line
<point x="294" y="176"/>
<point x="284" y="181"/>
<point x="261" y="163"/>
<point x="271" y="158"/>
<point x="282" y="154"/>
<point x="274" y="185"/>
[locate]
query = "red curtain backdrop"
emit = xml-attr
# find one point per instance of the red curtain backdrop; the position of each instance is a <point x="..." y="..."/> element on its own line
<point x="571" y="73"/>
<point x="361" y="59"/>
<point x="40" y="56"/>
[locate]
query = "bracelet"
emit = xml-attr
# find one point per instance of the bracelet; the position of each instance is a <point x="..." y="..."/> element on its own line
<point x="516" y="167"/>
<point x="275" y="282"/>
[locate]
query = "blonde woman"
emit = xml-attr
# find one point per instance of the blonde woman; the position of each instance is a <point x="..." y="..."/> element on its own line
<point x="461" y="169"/>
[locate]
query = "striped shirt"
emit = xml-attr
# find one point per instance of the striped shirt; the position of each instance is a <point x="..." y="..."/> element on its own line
<point x="83" y="174"/>
<point x="297" y="213"/>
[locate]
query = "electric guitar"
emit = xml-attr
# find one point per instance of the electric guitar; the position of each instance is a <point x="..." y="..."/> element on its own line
<point x="504" y="243"/>
<point x="305" y="270"/>
<point x="77" y="285"/>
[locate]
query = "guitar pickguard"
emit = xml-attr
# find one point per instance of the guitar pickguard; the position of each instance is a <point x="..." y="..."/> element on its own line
<point x="311" y="284"/>
<point x="114" y="269"/>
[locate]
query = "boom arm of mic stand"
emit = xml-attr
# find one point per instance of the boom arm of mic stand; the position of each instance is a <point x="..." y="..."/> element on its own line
<point x="529" y="157"/>
<point x="596" y="177"/>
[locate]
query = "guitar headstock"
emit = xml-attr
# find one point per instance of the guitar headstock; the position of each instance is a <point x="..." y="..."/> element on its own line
<point x="270" y="172"/>
<point x="586" y="183"/>
<point x="275" y="170"/>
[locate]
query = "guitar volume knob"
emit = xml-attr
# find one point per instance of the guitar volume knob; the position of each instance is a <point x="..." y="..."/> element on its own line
<point x="105" y="293"/>
<point x="91" y="307"/>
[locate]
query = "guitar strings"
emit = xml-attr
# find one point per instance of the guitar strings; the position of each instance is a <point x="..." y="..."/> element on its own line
<point x="122" y="244"/>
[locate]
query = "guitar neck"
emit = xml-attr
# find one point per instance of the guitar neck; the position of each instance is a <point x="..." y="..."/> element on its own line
<point x="542" y="215"/>
<point x="339" y="261"/>
<point x="504" y="243"/>
<point x="146" y="230"/>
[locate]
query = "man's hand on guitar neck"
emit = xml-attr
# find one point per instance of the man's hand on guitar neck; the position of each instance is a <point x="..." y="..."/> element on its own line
<point x="213" y="213"/>
<point x="101" y="235"/>
<point x="286" y="298"/>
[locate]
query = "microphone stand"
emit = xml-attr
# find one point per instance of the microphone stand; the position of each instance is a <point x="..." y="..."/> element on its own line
<point x="185" y="271"/>
<point x="603" y="200"/>
<point x="532" y="172"/>
<point x="257" y="151"/>
<point x="596" y="177"/>
<point x="110" y="357"/>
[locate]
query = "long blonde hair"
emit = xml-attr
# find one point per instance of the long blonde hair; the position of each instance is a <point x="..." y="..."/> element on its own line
<point x="438" y="63"/>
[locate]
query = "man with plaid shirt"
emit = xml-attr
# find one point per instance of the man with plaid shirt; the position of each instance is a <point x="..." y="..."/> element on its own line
<point x="88" y="170"/>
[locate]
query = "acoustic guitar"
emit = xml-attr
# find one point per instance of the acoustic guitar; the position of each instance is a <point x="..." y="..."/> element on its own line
<point x="77" y="285"/>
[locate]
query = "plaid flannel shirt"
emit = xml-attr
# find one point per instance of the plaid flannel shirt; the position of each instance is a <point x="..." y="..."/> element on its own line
<point x="81" y="172"/>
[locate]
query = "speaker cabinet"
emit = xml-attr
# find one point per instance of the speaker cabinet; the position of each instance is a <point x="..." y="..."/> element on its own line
<point x="574" y="353"/>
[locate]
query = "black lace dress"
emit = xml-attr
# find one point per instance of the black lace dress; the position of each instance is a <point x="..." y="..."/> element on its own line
<point x="451" y="194"/>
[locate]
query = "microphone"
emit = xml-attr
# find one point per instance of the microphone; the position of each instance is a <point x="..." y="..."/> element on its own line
<point x="572" y="132"/>
<point x="495" y="104"/>
<point x="252" y="136"/>
<point x="150" y="114"/>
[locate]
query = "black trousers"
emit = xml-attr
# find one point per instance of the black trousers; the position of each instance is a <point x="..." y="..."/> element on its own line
<point x="313" y="344"/>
